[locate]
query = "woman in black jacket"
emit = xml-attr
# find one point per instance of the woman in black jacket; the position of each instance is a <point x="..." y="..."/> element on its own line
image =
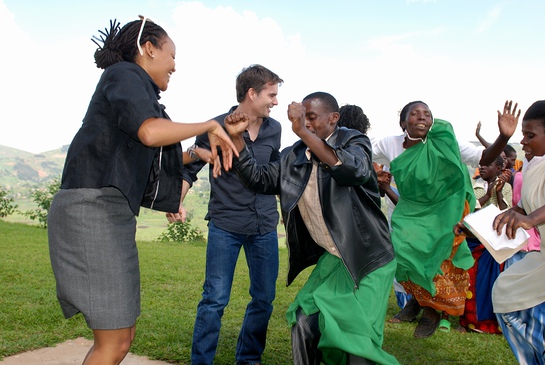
<point x="116" y="163"/>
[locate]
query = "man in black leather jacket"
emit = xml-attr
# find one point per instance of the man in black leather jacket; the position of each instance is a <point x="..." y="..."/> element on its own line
<point x="330" y="205"/>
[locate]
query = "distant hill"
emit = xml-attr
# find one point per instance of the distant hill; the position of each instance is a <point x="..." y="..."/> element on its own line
<point x="21" y="170"/>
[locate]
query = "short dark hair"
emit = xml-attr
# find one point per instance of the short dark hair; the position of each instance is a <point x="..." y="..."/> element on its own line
<point x="403" y="113"/>
<point x="255" y="77"/>
<point x="352" y="116"/>
<point x="328" y="100"/>
<point x="509" y="150"/>
<point x="536" y="111"/>
<point x="120" y="44"/>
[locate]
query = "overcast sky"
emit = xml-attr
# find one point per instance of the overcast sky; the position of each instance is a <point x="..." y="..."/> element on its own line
<point x="464" y="58"/>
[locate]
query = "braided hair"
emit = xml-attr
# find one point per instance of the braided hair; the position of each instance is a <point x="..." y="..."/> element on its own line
<point x="352" y="116"/>
<point x="119" y="44"/>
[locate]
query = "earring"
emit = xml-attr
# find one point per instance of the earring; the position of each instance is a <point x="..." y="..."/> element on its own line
<point x="152" y="56"/>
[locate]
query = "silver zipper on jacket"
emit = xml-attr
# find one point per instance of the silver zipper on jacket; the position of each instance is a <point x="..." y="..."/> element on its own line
<point x="288" y="247"/>
<point x="158" y="181"/>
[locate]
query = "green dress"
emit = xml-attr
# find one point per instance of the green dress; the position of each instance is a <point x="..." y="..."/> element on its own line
<point x="434" y="186"/>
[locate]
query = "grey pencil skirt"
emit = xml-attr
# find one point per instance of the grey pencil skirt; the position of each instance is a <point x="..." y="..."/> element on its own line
<point x="94" y="256"/>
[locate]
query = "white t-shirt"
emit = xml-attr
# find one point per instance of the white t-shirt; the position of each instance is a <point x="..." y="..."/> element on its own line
<point x="388" y="148"/>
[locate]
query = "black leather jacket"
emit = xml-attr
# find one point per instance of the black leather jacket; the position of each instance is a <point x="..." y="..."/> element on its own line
<point x="349" y="197"/>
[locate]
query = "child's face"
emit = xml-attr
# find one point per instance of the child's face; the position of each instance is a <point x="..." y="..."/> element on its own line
<point x="510" y="160"/>
<point x="490" y="172"/>
<point x="533" y="138"/>
<point x="505" y="163"/>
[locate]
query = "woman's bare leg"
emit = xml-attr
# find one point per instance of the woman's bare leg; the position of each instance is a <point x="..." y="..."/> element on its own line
<point x="110" y="346"/>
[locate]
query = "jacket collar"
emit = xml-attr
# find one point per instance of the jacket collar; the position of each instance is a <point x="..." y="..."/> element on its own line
<point x="299" y="148"/>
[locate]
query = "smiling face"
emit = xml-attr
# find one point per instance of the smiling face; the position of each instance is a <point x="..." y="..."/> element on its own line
<point x="319" y="120"/>
<point x="533" y="138"/>
<point x="510" y="159"/>
<point x="162" y="63"/>
<point x="264" y="100"/>
<point x="418" y="121"/>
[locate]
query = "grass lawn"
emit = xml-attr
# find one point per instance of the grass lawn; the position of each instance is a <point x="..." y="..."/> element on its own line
<point x="150" y="223"/>
<point x="172" y="276"/>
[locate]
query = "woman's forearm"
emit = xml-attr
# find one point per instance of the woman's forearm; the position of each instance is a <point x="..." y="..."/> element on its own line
<point x="155" y="132"/>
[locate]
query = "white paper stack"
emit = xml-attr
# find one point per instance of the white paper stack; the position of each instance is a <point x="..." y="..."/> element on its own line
<point x="500" y="247"/>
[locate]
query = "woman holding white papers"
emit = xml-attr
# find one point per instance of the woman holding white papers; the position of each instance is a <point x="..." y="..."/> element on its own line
<point x="519" y="293"/>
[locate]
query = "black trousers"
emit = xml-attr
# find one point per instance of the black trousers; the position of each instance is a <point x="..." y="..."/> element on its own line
<point x="305" y="335"/>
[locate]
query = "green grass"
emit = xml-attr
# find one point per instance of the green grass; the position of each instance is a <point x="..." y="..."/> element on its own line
<point x="27" y="303"/>
<point x="172" y="276"/>
<point x="150" y="223"/>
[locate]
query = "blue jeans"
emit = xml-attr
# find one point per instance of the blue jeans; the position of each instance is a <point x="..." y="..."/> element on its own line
<point x="222" y="253"/>
<point x="525" y="332"/>
<point x="515" y="258"/>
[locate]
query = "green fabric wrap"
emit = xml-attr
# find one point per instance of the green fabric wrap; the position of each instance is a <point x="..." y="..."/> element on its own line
<point x="433" y="184"/>
<point x="351" y="320"/>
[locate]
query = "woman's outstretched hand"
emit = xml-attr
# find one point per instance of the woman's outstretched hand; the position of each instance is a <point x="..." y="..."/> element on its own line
<point x="508" y="120"/>
<point x="219" y="138"/>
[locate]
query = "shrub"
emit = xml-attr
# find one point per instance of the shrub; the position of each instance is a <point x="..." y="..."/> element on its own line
<point x="6" y="204"/>
<point x="181" y="232"/>
<point x="43" y="197"/>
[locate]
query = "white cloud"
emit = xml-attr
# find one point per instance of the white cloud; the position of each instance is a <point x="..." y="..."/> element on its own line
<point x="50" y="86"/>
<point x="393" y="43"/>
<point x="492" y="18"/>
<point x="213" y="45"/>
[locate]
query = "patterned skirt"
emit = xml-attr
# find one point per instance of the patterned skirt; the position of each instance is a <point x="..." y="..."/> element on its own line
<point x="451" y="287"/>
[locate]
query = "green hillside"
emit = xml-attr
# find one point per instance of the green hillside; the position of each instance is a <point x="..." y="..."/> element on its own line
<point x="20" y="171"/>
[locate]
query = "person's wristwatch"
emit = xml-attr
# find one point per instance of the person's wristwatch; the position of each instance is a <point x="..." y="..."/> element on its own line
<point x="191" y="152"/>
